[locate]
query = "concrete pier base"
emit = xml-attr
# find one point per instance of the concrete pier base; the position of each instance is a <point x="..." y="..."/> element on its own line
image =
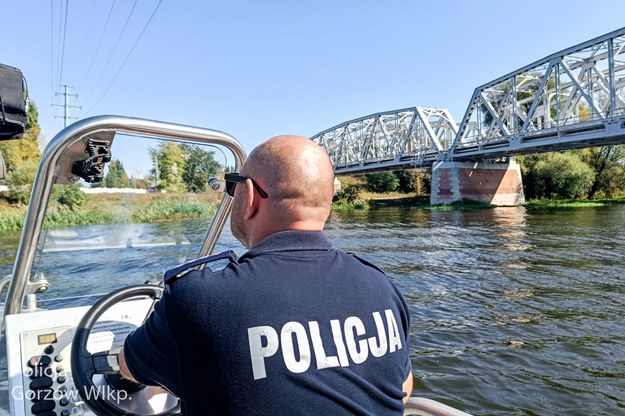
<point x="491" y="183"/>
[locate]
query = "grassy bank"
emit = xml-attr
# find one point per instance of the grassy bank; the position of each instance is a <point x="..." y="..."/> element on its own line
<point x="372" y="200"/>
<point x="572" y="203"/>
<point x="117" y="208"/>
<point x="126" y="208"/>
<point x="394" y="199"/>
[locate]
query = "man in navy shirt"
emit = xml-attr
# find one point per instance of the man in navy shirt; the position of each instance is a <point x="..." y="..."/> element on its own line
<point x="294" y="326"/>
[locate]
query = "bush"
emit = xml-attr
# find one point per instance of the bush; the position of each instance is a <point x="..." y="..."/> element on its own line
<point x="407" y="181"/>
<point x="382" y="182"/>
<point x="349" y="194"/>
<point x="413" y="180"/>
<point x="562" y="175"/>
<point x="20" y="182"/>
<point x="70" y="196"/>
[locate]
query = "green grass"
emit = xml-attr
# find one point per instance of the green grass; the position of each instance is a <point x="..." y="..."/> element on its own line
<point x="572" y="203"/>
<point x="459" y="206"/>
<point x="374" y="200"/>
<point x="116" y="208"/>
<point x="346" y="206"/>
<point x="11" y="220"/>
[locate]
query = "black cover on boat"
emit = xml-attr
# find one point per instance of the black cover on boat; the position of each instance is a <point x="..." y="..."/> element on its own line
<point x="12" y="103"/>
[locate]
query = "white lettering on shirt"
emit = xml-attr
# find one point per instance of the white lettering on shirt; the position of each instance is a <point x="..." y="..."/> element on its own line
<point x="359" y="352"/>
<point x="394" y="340"/>
<point x="257" y="351"/>
<point x="288" y="347"/>
<point x="323" y="361"/>
<point x="378" y="350"/>
<point x="337" y="336"/>
<point x="351" y="340"/>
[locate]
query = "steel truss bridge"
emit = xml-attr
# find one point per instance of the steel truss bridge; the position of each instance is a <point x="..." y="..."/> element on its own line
<point x="571" y="99"/>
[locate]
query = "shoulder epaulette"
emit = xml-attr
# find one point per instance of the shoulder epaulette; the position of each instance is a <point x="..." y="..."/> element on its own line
<point x="177" y="272"/>
<point x="365" y="262"/>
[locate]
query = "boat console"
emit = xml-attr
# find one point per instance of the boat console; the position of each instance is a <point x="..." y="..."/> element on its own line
<point x="40" y="367"/>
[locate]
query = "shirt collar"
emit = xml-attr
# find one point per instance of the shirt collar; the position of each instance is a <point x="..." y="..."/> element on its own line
<point x="290" y="240"/>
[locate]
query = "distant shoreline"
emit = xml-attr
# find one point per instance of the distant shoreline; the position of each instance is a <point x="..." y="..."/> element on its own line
<point x="423" y="202"/>
<point x="152" y="207"/>
<point x="107" y="208"/>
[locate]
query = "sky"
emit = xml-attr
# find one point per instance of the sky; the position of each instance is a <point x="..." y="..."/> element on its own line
<point x="255" y="69"/>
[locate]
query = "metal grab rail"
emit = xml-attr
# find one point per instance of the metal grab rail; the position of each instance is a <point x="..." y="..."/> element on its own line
<point x="420" y="406"/>
<point x="45" y="177"/>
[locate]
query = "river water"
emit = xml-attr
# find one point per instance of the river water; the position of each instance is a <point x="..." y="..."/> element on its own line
<point x="514" y="312"/>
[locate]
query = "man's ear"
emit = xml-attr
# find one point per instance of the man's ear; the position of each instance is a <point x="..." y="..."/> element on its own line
<point x="251" y="200"/>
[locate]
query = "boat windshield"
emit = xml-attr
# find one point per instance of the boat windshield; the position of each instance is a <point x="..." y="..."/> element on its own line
<point x="151" y="212"/>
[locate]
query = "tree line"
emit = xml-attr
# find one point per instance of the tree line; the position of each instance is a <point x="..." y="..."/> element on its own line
<point x="175" y="168"/>
<point x="596" y="172"/>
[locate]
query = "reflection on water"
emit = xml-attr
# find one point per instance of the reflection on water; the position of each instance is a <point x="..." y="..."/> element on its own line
<point x="513" y="312"/>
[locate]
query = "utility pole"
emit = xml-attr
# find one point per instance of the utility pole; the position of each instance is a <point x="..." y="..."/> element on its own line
<point x="66" y="105"/>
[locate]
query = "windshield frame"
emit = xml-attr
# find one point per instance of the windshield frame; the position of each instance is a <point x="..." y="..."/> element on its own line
<point x="48" y="174"/>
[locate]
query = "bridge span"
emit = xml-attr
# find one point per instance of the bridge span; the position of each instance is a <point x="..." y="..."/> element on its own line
<point x="571" y="99"/>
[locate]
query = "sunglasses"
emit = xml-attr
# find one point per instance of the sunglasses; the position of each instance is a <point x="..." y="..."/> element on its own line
<point x="233" y="178"/>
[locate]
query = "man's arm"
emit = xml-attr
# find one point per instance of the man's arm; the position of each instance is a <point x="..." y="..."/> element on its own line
<point x="149" y="352"/>
<point x="407" y="387"/>
<point x="125" y="372"/>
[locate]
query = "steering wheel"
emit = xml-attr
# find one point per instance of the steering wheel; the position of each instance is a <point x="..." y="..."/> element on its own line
<point x="96" y="375"/>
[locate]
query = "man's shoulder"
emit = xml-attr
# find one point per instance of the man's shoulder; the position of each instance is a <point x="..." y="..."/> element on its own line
<point x="364" y="261"/>
<point x="202" y="263"/>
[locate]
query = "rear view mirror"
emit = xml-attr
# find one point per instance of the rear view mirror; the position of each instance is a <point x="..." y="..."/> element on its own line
<point x="12" y="103"/>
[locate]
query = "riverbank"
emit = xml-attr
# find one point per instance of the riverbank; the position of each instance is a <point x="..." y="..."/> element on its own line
<point x="115" y="208"/>
<point x="572" y="203"/>
<point x="373" y="200"/>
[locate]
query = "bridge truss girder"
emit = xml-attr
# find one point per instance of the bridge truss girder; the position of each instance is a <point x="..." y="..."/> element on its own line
<point x="578" y="90"/>
<point x="407" y="136"/>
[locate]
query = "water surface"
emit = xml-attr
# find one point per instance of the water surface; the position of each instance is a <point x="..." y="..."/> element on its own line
<point x="514" y="312"/>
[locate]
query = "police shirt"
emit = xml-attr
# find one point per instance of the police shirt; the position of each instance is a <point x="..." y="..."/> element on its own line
<point x="294" y="326"/>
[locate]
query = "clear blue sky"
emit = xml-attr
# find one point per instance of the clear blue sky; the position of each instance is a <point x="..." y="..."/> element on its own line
<point x="255" y="69"/>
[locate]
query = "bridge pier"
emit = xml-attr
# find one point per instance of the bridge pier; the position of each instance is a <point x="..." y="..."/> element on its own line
<point x="491" y="183"/>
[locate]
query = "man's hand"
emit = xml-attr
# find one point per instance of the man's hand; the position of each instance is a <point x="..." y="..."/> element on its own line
<point x="127" y="376"/>
<point x="123" y="367"/>
<point x="407" y="387"/>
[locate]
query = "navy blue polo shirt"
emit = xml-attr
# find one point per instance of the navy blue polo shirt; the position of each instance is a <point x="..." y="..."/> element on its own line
<point x="294" y="326"/>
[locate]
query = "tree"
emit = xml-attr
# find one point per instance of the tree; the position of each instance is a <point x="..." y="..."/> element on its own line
<point x="413" y="180"/>
<point x="69" y="196"/>
<point x="407" y="181"/>
<point x="169" y="164"/>
<point x="199" y="168"/>
<point x="16" y="152"/>
<point x="382" y="182"/>
<point x="116" y="176"/>
<point x="559" y="175"/>
<point x="347" y="195"/>
<point x="20" y="182"/>
<point x="21" y="158"/>
<point x="608" y="164"/>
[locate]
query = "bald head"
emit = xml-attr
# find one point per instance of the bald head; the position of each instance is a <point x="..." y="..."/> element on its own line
<point x="297" y="174"/>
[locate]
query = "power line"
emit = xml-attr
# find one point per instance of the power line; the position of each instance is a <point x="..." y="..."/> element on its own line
<point x="97" y="49"/>
<point x="51" y="50"/>
<point x="58" y="42"/>
<point x="64" y="39"/>
<point x="113" y="51"/>
<point x="127" y="57"/>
